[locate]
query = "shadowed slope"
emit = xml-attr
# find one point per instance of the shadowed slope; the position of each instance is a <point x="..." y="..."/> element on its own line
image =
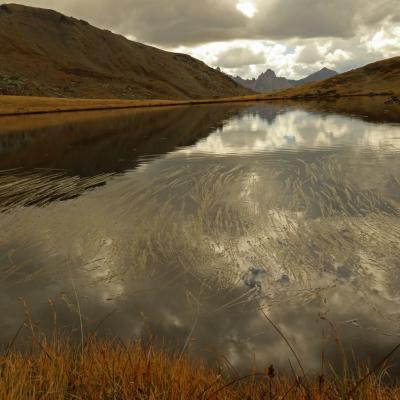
<point x="45" y="53"/>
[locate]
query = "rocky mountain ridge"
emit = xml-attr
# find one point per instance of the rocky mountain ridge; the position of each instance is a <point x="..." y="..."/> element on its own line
<point x="268" y="81"/>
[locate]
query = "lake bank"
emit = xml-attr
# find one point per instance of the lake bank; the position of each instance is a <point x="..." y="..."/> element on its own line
<point x="26" y="105"/>
<point x="102" y="369"/>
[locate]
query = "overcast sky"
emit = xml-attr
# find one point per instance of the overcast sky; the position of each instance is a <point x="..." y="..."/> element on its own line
<point x="245" y="37"/>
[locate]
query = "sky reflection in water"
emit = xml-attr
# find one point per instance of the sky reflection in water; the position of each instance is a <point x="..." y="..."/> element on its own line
<point x="187" y="221"/>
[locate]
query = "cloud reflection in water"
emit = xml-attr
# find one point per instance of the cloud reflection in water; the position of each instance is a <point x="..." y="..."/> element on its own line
<point x="291" y="211"/>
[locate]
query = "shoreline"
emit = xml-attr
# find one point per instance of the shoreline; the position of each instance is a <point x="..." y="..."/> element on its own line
<point x="95" y="368"/>
<point x="25" y="105"/>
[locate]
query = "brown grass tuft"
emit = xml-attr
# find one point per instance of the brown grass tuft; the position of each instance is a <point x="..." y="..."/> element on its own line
<point x="110" y="369"/>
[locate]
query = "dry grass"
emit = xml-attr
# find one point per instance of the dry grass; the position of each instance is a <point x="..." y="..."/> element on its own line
<point x="20" y="105"/>
<point x="15" y="105"/>
<point x="110" y="369"/>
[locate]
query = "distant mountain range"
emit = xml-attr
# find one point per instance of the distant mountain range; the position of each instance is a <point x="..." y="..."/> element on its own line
<point x="380" y="79"/>
<point x="268" y="81"/>
<point x="45" y="53"/>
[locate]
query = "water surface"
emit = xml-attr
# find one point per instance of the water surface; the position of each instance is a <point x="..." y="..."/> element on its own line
<point x="191" y="222"/>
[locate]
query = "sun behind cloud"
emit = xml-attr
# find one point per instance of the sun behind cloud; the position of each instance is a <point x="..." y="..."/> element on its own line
<point x="247" y="8"/>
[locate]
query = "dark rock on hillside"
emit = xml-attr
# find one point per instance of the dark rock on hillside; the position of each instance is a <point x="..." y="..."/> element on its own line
<point x="393" y="100"/>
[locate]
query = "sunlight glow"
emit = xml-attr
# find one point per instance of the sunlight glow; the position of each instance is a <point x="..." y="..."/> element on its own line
<point x="247" y="8"/>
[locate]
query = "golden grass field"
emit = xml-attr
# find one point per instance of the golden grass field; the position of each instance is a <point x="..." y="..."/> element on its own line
<point x="109" y="369"/>
<point x="15" y="105"/>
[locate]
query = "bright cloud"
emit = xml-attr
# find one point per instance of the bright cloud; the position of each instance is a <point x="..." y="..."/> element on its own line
<point x="247" y="8"/>
<point x="385" y="41"/>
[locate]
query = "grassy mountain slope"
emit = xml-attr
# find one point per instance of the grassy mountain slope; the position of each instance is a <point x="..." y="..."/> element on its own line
<point x="378" y="78"/>
<point x="45" y="53"/>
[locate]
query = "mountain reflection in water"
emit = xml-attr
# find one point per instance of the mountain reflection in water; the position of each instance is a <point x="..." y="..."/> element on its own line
<point x="187" y="221"/>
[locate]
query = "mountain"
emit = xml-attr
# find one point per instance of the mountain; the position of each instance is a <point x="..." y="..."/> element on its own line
<point x="45" y="53"/>
<point x="381" y="78"/>
<point x="320" y="75"/>
<point x="268" y="81"/>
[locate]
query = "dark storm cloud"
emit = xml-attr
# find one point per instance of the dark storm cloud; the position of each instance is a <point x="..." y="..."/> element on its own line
<point x="285" y="19"/>
<point x="153" y="21"/>
<point x="305" y="18"/>
<point x="189" y="22"/>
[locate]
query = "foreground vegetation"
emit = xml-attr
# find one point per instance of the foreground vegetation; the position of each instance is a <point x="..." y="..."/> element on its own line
<point x="109" y="369"/>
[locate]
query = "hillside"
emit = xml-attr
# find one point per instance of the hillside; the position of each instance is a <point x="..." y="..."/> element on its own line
<point x="268" y="81"/>
<point x="379" y="78"/>
<point x="320" y="75"/>
<point x="44" y="53"/>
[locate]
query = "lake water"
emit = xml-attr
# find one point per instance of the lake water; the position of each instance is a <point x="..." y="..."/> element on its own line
<point x="188" y="223"/>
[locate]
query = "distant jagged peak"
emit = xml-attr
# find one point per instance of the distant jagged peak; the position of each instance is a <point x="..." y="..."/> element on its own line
<point x="323" y="73"/>
<point x="325" y="69"/>
<point x="268" y="73"/>
<point x="268" y="80"/>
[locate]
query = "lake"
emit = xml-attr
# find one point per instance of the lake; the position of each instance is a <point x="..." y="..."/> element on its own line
<point x="193" y="224"/>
